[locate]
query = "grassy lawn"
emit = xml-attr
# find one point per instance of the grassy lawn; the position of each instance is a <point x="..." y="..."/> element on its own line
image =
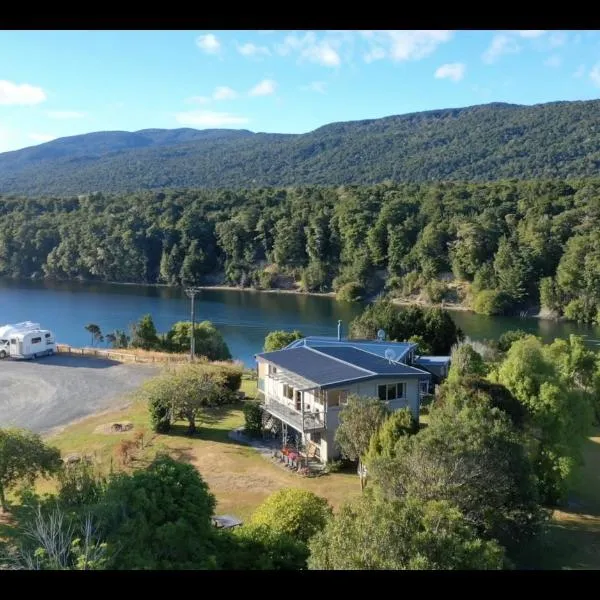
<point x="238" y="476"/>
<point x="575" y="533"/>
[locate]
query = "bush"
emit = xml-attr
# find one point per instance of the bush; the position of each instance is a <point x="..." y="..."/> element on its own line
<point x="412" y="283"/>
<point x="506" y="340"/>
<point x="351" y="292"/>
<point x="160" y="414"/>
<point x="294" y="512"/>
<point x="490" y="302"/>
<point x="581" y="310"/>
<point x="253" y="418"/>
<point x="266" y="280"/>
<point x="436" y="291"/>
<point x="231" y="374"/>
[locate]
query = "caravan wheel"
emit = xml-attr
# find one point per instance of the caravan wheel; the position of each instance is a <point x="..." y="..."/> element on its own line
<point x="3" y="354"/>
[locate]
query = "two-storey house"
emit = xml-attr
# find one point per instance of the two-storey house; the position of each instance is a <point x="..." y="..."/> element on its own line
<point x="303" y="387"/>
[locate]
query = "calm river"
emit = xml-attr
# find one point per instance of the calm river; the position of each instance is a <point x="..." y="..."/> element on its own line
<point x="243" y="317"/>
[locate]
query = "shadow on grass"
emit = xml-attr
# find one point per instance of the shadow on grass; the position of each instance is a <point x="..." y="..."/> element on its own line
<point x="211" y="426"/>
<point x="573" y="543"/>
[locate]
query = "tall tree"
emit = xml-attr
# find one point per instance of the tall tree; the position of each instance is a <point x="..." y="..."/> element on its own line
<point x="360" y="419"/>
<point x="23" y="457"/>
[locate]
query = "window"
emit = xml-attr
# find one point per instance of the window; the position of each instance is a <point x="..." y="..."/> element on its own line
<point x="272" y="369"/>
<point x="47" y="335"/>
<point x="288" y="391"/>
<point x="36" y="340"/>
<point x="424" y="387"/>
<point x="391" y="391"/>
<point x="13" y="341"/>
<point x="315" y="438"/>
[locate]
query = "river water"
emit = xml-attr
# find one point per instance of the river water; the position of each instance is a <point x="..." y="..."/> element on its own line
<point x="243" y="317"/>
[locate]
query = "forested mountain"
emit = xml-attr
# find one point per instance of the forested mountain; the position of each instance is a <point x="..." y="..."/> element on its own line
<point x="478" y="143"/>
<point x="513" y="242"/>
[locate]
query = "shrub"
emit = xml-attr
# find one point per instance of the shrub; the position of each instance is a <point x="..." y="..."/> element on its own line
<point x="125" y="450"/>
<point x="489" y="302"/>
<point x="253" y="418"/>
<point x="351" y="292"/>
<point x="581" y="310"/>
<point x="436" y="291"/>
<point x="160" y="414"/>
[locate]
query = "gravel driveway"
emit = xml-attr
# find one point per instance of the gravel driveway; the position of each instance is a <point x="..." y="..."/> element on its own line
<point x="53" y="391"/>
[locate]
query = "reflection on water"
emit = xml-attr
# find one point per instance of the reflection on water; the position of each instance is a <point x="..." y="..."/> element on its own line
<point x="244" y="318"/>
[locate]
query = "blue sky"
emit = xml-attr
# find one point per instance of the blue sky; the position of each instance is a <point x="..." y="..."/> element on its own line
<point x="59" y="83"/>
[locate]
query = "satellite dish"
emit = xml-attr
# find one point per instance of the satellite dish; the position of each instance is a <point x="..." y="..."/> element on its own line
<point x="381" y="335"/>
<point x="390" y="354"/>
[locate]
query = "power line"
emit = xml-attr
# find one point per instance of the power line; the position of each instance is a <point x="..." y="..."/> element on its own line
<point x="191" y="294"/>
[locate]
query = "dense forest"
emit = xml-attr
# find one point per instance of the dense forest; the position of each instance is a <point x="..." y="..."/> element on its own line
<point x="515" y="244"/>
<point x="478" y="143"/>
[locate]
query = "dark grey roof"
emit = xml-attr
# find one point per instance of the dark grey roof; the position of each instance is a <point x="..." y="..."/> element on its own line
<point x="314" y="366"/>
<point x="328" y="365"/>
<point x="369" y="361"/>
<point x="401" y="349"/>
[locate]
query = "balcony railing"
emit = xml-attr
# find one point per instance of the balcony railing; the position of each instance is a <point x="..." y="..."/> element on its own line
<point x="311" y="421"/>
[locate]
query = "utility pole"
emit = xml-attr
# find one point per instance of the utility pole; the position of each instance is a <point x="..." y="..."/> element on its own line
<point x="191" y="293"/>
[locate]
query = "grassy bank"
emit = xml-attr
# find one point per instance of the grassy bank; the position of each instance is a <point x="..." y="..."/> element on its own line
<point x="238" y="476"/>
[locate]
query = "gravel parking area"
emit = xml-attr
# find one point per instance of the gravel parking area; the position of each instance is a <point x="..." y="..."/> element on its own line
<point x="56" y="390"/>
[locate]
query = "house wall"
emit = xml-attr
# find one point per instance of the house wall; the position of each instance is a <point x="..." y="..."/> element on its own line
<point x="329" y="450"/>
<point x="327" y="447"/>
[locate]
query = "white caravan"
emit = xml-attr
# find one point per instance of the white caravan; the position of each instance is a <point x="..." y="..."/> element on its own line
<point x="26" y="340"/>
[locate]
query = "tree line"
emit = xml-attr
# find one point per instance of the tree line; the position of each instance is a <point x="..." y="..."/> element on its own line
<point x="516" y="245"/>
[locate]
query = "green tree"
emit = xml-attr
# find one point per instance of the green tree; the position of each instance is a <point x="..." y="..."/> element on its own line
<point x="433" y="325"/>
<point x="506" y="340"/>
<point x="466" y="362"/>
<point x="490" y="302"/>
<point x="159" y="518"/>
<point x="184" y="393"/>
<point x="359" y="419"/>
<point x="383" y="442"/>
<point x="472" y="456"/>
<point x="278" y="340"/>
<point x="298" y="513"/>
<point x="143" y="334"/>
<point x="209" y="341"/>
<point x="559" y="412"/>
<point x="371" y="533"/>
<point x="95" y="332"/>
<point x="23" y="457"/>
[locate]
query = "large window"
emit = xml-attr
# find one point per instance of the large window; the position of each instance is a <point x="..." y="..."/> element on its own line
<point x="391" y="391"/>
<point x="288" y="391"/>
<point x="36" y="340"/>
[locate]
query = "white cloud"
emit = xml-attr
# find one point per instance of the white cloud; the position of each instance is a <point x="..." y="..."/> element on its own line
<point x="198" y="100"/>
<point x="251" y="49"/>
<point x="501" y="44"/>
<point x="323" y="54"/>
<point x="580" y="72"/>
<point x="553" y="61"/>
<point x="414" y="45"/>
<point x="208" y="43"/>
<point x="223" y="92"/>
<point x="400" y="45"/>
<point x="264" y="88"/>
<point x="209" y="118"/>
<point x="595" y="74"/>
<point x="531" y="33"/>
<point x="452" y="71"/>
<point x="23" y="93"/>
<point x="316" y="86"/>
<point x="65" y="114"/>
<point x="41" y="137"/>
